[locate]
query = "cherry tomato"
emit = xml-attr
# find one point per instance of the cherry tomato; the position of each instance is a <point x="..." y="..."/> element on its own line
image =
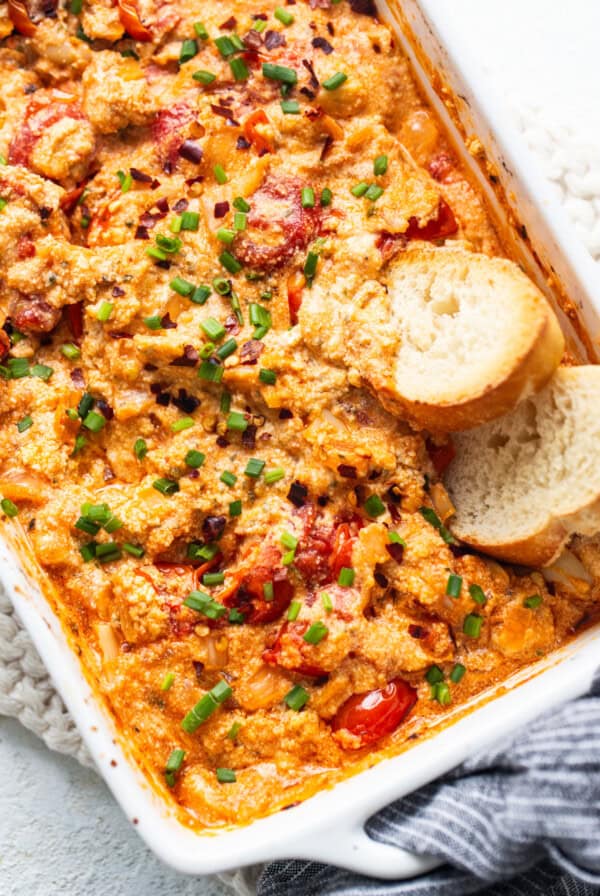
<point x="436" y="229"/>
<point x="249" y="598"/>
<point x="374" y="714"/>
<point x="131" y="22"/>
<point x="19" y="16"/>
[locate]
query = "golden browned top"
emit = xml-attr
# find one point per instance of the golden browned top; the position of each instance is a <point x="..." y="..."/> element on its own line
<point x="176" y="181"/>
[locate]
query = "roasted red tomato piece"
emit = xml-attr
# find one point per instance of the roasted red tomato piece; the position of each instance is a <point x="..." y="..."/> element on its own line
<point x="374" y="714"/>
<point x="436" y="229"/>
<point x="168" y="132"/>
<point x="37" y="119"/>
<point x="440" y="455"/>
<point x="291" y="634"/>
<point x="131" y="22"/>
<point x="277" y="212"/>
<point x="344" y="540"/>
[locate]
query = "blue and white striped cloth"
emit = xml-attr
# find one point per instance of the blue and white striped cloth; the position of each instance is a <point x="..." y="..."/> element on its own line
<point x="521" y="820"/>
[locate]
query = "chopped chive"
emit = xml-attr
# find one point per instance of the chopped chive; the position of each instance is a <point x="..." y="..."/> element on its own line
<point x="441" y="693"/>
<point x="200" y="295"/>
<point x="268" y="591"/>
<point x="224" y="46"/>
<point x="94" y="421"/>
<point x="225" y="402"/>
<point x="182" y="423"/>
<point x="190" y="220"/>
<point x="207" y="350"/>
<point x="42" y="371"/>
<point x="380" y="165"/>
<point x="235" y="305"/>
<point x="293" y="610"/>
<point x="86" y="403"/>
<point x="239" y="69"/>
<point x="267" y="376"/>
<point x="240" y="203"/>
<point x="210" y="371"/>
<point x="434" y="675"/>
<point x="140" y="448"/>
<point x="220" y="175"/>
<point x="289" y="541"/>
<point x="88" y="551"/>
<point x="8" y="507"/>
<point x="235" y="508"/>
<point x="226" y="776"/>
<point x="174" y="763"/>
<point x="346" y="576"/>
<point x="239" y="221"/>
<point x="104" y="311"/>
<point x="297" y="697"/>
<point x="454" y="585"/>
<point x="327" y="602"/>
<point x="175" y="225"/>
<point x="213" y="329"/>
<point x="76" y="7"/>
<point x="169" y="244"/>
<point x="458" y="670"/>
<point x="205" y="604"/>
<point x="359" y="189"/>
<point x="230" y="262"/>
<point x="288" y="558"/>
<point x="237" y="422"/>
<point x="326" y="197"/>
<point x="532" y="602"/>
<point x="374" y="505"/>
<point x="225" y="235"/>
<point x="108" y="551"/>
<point x="204" y="552"/>
<point x="70" y="351"/>
<point x="155" y="253"/>
<point x="194" y="459"/>
<point x="335" y="81"/>
<point x="167" y="681"/>
<point x="374" y="192"/>
<point x="267" y="295"/>
<point x="284" y="15"/>
<point x="254" y="468"/>
<point x="433" y="519"/>
<point x="134" y="549"/>
<point x="181" y="286"/>
<point x="189" y="49"/>
<point x="154" y="322"/>
<point x="213" y="578"/>
<point x="206" y="706"/>
<point x="310" y="265"/>
<point x="259" y="25"/>
<point x="165" y="486"/>
<point x="203" y="77"/>
<point x="234" y="731"/>
<point x="477" y="593"/>
<point x="200" y="30"/>
<point x="18" y="368"/>
<point x="259" y="315"/>
<point x="125" y="180"/>
<point x="290" y="107"/>
<point x="112" y="524"/>
<point x="308" y="197"/>
<point x="394" y="538"/>
<point x="228" y="478"/>
<point x="472" y="625"/>
<point x="274" y="475"/>
<point x="316" y="632"/>
<point x="279" y="73"/>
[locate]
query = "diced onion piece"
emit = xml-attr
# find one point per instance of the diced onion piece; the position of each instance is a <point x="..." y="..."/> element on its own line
<point x="213" y="650"/>
<point x="20" y="485"/>
<point x="441" y="501"/>
<point x="570" y="573"/>
<point x="107" y="641"/>
<point x="266" y="688"/>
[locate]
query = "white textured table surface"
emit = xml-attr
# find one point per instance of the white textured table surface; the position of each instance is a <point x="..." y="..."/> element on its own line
<point x="60" y="831"/>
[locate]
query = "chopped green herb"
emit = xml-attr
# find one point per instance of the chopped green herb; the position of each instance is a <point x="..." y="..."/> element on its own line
<point x="335" y="81"/>
<point x="239" y="221"/>
<point x="477" y="593"/>
<point x="380" y="165"/>
<point x="274" y="475"/>
<point x="267" y="376"/>
<point x="472" y="625"/>
<point x="194" y="459"/>
<point x="289" y="541"/>
<point x="434" y="674"/>
<point x="167" y="682"/>
<point x="308" y="197"/>
<point x="235" y="508"/>
<point x="166" y="486"/>
<point x="211" y="371"/>
<point x="441" y="693"/>
<point x="204" y="77"/>
<point x="205" y="604"/>
<point x="284" y="15"/>
<point x="254" y="468"/>
<point x="125" y="180"/>
<point x="224" y="46"/>
<point x="279" y="73"/>
<point x="105" y="309"/>
<point x="432" y="518"/>
<point x="346" y="576"/>
<point x="226" y="776"/>
<point x="108" y="552"/>
<point x="190" y="220"/>
<point x="234" y="731"/>
<point x="228" y="478"/>
<point x="458" y="670"/>
<point x="140" y="448"/>
<point x="225" y="235"/>
<point x="94" y="421"/>
<point x="374" y="505"/>
<point x="42" y="371"/>
<point x="268" y="591"/>
<point x="237" y="422"/>
<point x="297" y="697"/>
<point x="213" y="329"/>
<point x="239" y="69"/>
<point x="200" y="295"/>
<point x="236" y="617"/>
<point x="189" y="49"/>
<point x="220" y="175"/>
<point x="88" y="551"/>
<point x="213" y="578"/>
<point x="200" y="30"/>
<point x="8" y="507"/>
<point x="293" y="610"/>
<point x="174" y="763"/>
<point x="70" y="351"/>
<point x="290" y="107"/>
<point x="533" y="602"/>
<point x="326" y="197"/>
<point x="206" y="706"/>
<point x="454" y="585"/>
<point x="154" y="322"/>
<point x="133" y="549"/>
<point x="182" y="423"/>
<point x="316" y="632"/>
<point x="230" y="262"/>
<point x="240" y="203"/>
<point x="360" y="189"/>
<point x="374" y="192"/>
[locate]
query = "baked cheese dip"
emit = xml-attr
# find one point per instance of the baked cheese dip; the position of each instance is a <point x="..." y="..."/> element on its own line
<point x="252" y="555"/>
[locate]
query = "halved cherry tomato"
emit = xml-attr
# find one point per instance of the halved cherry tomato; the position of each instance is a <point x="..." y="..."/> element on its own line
<point x="260" y="143"/>
<point x="293" y="633"/>
<point x="19" y="16"/>
<point x="441" y="455"/>
<point x="374" y="714"/>
<point x="249" y="598"/>
<point x="131" y="22"/>
<point x="436" y="229"/>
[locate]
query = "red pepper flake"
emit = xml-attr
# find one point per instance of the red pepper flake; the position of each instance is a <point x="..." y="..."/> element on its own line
<point x="274" y="39"/>
<point x="180" y="206"/>
<point x="396" y="551"/>
<point x="242" y="143"/>
<point x="140" y="176"/>
<point x="319" y="43"/>
<point x="221" y="209"/>
<point x="189" y="358"/>
<point x="417" y="631"/>
<point x="117" y="291"/>
<point x="251" y="351"/>
<point x="347" y="471"/>
<point x="119" y="334"/>
<point x="229" y="25"/>
<point x="166" y="322"/>
<point x="191" y="151"/>
<point x="141" y="233"/>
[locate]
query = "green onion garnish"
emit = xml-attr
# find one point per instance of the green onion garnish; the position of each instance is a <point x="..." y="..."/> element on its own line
<point x="8" y="507"/>
<point x="335" y="81"/>
<point x="454" y="585"/>
<point x="360" y="189"/>
<point x="108" y="551"/>
<point x="166" y="486"/>
<point x="174" y="763"/>
<point x="441" y="693"/>
<point x="289" y="541"/>
<point x="94" y="421"/>
<point x="200" y="30"/>
<point x="200" y="295"/>
<point x="42" y="371"/>
<point x="194" y="459"/>
<point x="326" y="197"/>
<point x="105" y="309"/>
<point x="181" y="286"/>
<point x="268" y="591"/>
<point x="433" y="519"/>
<point x="374" y="192"/>
<point x="125" y="180"/>
<point x="477" y="593"/>
<point x="279" y="73"/>
<point x="327" y="602"/>
<point x="175" y="225"/>
<point x="230" y="262"/>
<point x="458" y="670"/>
<point x="380" y="165"/>
<point x="259" y="315"/>
<point x="206" y="706"/>
<point x="293" y="610"/>
<point x="316" y="632"/>
<point x="346" y="576"/>
<point x="213" y="578"/>
<point x="225" y="235"/>
<point x="169" y="244"/>
<point x="210" y="371"/>
<point x="235" y="508"/>
<point x="154" y="322"/>
<point x="226" y="776"/>
<point x="225" y="402"/>
<point x="239" y="221"/>
<point x="237" y="422"/>
<point x="234" y="730"/>
<point x="374" y="505"/>
<point x="239" y="69"/>
<point x="308" y="197"/>
<point x="203" y="77"/>
<point x="224" y="45"/>
<point x="240" y="203"/>
<point x="220" y="175"/>
<point x="88" y="551"/>
<point x="532" y="602"/>
<point x="140" y="448"/>
<point x="189" y="49"/>
<point x="133" y="549"/>
<point x="297" y="697"/>
<point x="205" y="604"/>
<point x="394" y="538"/>
<point x="228" y="478"/>
<point x="267" y="376"/>
<point x="274" y="475"/>
<point x="472" y="625"/>
<point x="254" y="468"/>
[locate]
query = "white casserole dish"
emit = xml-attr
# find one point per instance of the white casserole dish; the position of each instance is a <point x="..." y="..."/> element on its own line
<point x="329" y="826"/>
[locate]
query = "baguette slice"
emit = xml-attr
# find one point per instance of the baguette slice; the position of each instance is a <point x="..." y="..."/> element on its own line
<point x="476" y="336"/>
<point x="523" y="484"/>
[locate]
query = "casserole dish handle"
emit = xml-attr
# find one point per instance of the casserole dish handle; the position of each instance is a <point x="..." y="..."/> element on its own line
<point x="352" y="848"/>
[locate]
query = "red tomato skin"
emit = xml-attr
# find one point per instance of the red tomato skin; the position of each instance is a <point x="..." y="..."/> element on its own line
<point x="374" y="714"/>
